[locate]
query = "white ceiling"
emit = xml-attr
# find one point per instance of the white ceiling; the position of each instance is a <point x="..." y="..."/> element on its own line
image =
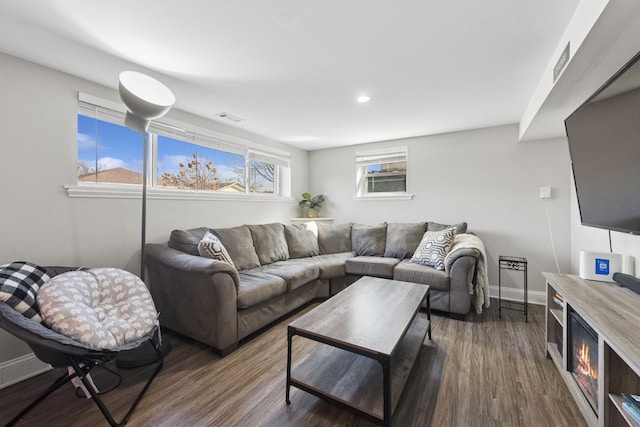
<point x="293" y="68"/>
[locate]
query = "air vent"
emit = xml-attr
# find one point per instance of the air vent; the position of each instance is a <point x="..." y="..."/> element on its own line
<point x="230" y="117"/>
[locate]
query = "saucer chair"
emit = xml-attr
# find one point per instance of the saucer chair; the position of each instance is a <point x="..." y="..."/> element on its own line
<point x="78" y="320"/>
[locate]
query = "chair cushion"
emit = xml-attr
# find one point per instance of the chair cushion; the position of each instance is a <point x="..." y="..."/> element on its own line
<point x="19" y="285"/>
<point x="102" y="308"/>
<point x="332" y="265"/>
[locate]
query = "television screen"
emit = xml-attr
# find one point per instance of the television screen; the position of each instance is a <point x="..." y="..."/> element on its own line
<point x="604" y="143"/>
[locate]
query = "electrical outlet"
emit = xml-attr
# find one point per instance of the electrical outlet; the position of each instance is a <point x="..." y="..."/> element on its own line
<point x="545" y="192"/>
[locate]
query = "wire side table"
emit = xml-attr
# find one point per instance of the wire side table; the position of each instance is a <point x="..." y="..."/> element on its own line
<point x="514" y="264"/>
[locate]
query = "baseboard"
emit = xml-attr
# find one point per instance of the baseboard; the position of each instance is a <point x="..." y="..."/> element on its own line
<point x="19" y="369"/>
<point x="511" y="294"/>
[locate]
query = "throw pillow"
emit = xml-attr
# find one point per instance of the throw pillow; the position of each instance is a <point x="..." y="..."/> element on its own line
<point x="302" y="243"/>
<point x="187" y="240"/>
<point x="270" y="243"/>
<point x="460" y="227"/>
<point x="239" y="244"/>
<point x="403" y="239"/>
<point x="434" y="247"/>
<point x="19" y="285"/>
<point x="334" y="238"/>
<point x="211" y="247"/>
<point x="368" y="240"/>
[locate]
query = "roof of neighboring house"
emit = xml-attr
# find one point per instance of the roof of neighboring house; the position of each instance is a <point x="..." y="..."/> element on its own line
<point x="115" y="175"/>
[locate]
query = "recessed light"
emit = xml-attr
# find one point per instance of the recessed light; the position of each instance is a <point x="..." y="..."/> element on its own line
<point x="363" y="98"/>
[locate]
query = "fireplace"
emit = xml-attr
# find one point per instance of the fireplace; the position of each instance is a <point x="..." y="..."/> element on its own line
<point x="583" y="358"/>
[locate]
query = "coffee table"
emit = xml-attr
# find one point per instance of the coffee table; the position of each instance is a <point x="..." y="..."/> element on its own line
<point x="368" y="338"/>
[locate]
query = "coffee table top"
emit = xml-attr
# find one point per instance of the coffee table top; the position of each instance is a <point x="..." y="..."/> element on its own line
<point x="372" y="314"/>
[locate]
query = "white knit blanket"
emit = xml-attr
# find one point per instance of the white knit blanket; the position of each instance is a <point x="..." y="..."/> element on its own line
<point x="462" y="244"/>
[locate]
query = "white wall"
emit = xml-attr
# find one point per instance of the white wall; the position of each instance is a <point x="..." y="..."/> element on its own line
<point x="41" y="224"/>
<point x="484" y="177"/>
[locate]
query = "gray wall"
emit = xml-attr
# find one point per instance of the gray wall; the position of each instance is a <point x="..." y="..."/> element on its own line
<point x="484" y="177"/>
<point x="41" y="224"/>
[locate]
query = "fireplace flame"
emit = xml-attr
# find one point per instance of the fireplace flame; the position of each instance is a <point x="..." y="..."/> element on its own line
<point x="584" y="362"/>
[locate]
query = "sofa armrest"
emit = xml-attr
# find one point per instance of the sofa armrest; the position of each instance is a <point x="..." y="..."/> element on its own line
<point x="461" y="273"/>
<point x="195" y="296"/>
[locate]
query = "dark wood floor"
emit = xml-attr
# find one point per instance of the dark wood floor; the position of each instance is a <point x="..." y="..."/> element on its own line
<point x="484" y="371"/>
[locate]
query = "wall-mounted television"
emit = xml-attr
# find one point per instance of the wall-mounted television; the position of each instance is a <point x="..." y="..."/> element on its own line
<point x="604" y="144"/>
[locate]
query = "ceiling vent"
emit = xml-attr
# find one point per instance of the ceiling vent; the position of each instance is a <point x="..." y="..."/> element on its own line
<point x="230" y="117"/>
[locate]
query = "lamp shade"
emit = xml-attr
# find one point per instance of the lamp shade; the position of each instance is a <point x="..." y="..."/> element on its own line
<point x="145" y="98"/>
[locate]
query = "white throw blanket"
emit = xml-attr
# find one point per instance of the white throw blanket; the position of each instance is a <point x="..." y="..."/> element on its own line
<point x="461" y="244"/>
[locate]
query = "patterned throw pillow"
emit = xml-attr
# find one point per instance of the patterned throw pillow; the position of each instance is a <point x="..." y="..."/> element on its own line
<point x="19" y="284"/>
<point x="211" y="247"/>
<point x="434" y="247"/>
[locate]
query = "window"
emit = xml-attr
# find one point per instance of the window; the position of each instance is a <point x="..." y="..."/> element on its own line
<point x="111" y="154"/>
<point x="381" y="172"/>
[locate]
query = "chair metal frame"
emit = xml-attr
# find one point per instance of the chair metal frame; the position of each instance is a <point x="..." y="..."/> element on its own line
<point x="81" y="359"/>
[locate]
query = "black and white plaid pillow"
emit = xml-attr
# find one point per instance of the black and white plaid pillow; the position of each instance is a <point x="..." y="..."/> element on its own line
<point x="19" y="284"/>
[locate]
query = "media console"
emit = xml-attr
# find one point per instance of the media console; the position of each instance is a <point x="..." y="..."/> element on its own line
<point x="613" y="313"/>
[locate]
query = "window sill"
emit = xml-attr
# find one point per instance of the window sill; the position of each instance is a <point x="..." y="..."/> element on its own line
<point x="403" y="196"/>
<point x="134" y="192"/>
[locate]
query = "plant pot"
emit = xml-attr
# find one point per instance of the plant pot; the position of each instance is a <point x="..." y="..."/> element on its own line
<point x="312" y="213"/>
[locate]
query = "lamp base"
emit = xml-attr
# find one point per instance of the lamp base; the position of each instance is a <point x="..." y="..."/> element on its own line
<point x="141" y="356"/>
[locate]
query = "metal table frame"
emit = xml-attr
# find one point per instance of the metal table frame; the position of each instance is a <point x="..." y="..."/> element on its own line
<point x="511" y="263"/>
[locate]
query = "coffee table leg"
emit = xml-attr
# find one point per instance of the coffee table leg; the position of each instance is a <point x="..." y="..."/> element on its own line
<point x="386" y="385"/>
<point x="429" y="311"/>
<point x="290" y="334"/>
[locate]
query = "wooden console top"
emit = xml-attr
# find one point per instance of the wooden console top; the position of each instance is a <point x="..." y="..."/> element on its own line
<point x="611" y="310"/>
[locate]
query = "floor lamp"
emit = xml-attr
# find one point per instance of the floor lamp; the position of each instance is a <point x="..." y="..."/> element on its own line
<point x="146" y="99"/>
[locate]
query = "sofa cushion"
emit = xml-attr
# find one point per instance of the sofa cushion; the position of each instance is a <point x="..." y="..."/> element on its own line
<point x="403" y="239"/>
<point x="211" y="247"/>
<point x="300" y="241"/>
<point x="371" y="266"/>
<point x="332" y="265"/>
<point x="460" y="227"/>
<point x="296" y="272"/>
<point x="239" y="244"/>
<point x="270" y="243"/>
<point x="187" y="240"/>
<point x="334" y="238"/>
<point x="368" y="240"/>
<point x="257" y="286"/>
<point x="417" y="273"/>
<point x="434" y="247"/>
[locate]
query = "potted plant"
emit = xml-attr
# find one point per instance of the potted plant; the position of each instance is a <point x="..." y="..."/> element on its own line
<point x="312" y="204"/>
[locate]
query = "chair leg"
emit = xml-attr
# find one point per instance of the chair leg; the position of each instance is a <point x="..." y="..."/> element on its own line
<point x="55" y="386"/>
<point x="96" y="398"/>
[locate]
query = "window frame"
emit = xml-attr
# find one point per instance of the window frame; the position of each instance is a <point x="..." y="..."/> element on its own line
<point x="363" y="159"/>
<point x="114" y="112"/>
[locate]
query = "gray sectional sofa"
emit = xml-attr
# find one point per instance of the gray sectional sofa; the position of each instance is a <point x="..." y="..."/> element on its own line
<point x="278" y="268"/>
